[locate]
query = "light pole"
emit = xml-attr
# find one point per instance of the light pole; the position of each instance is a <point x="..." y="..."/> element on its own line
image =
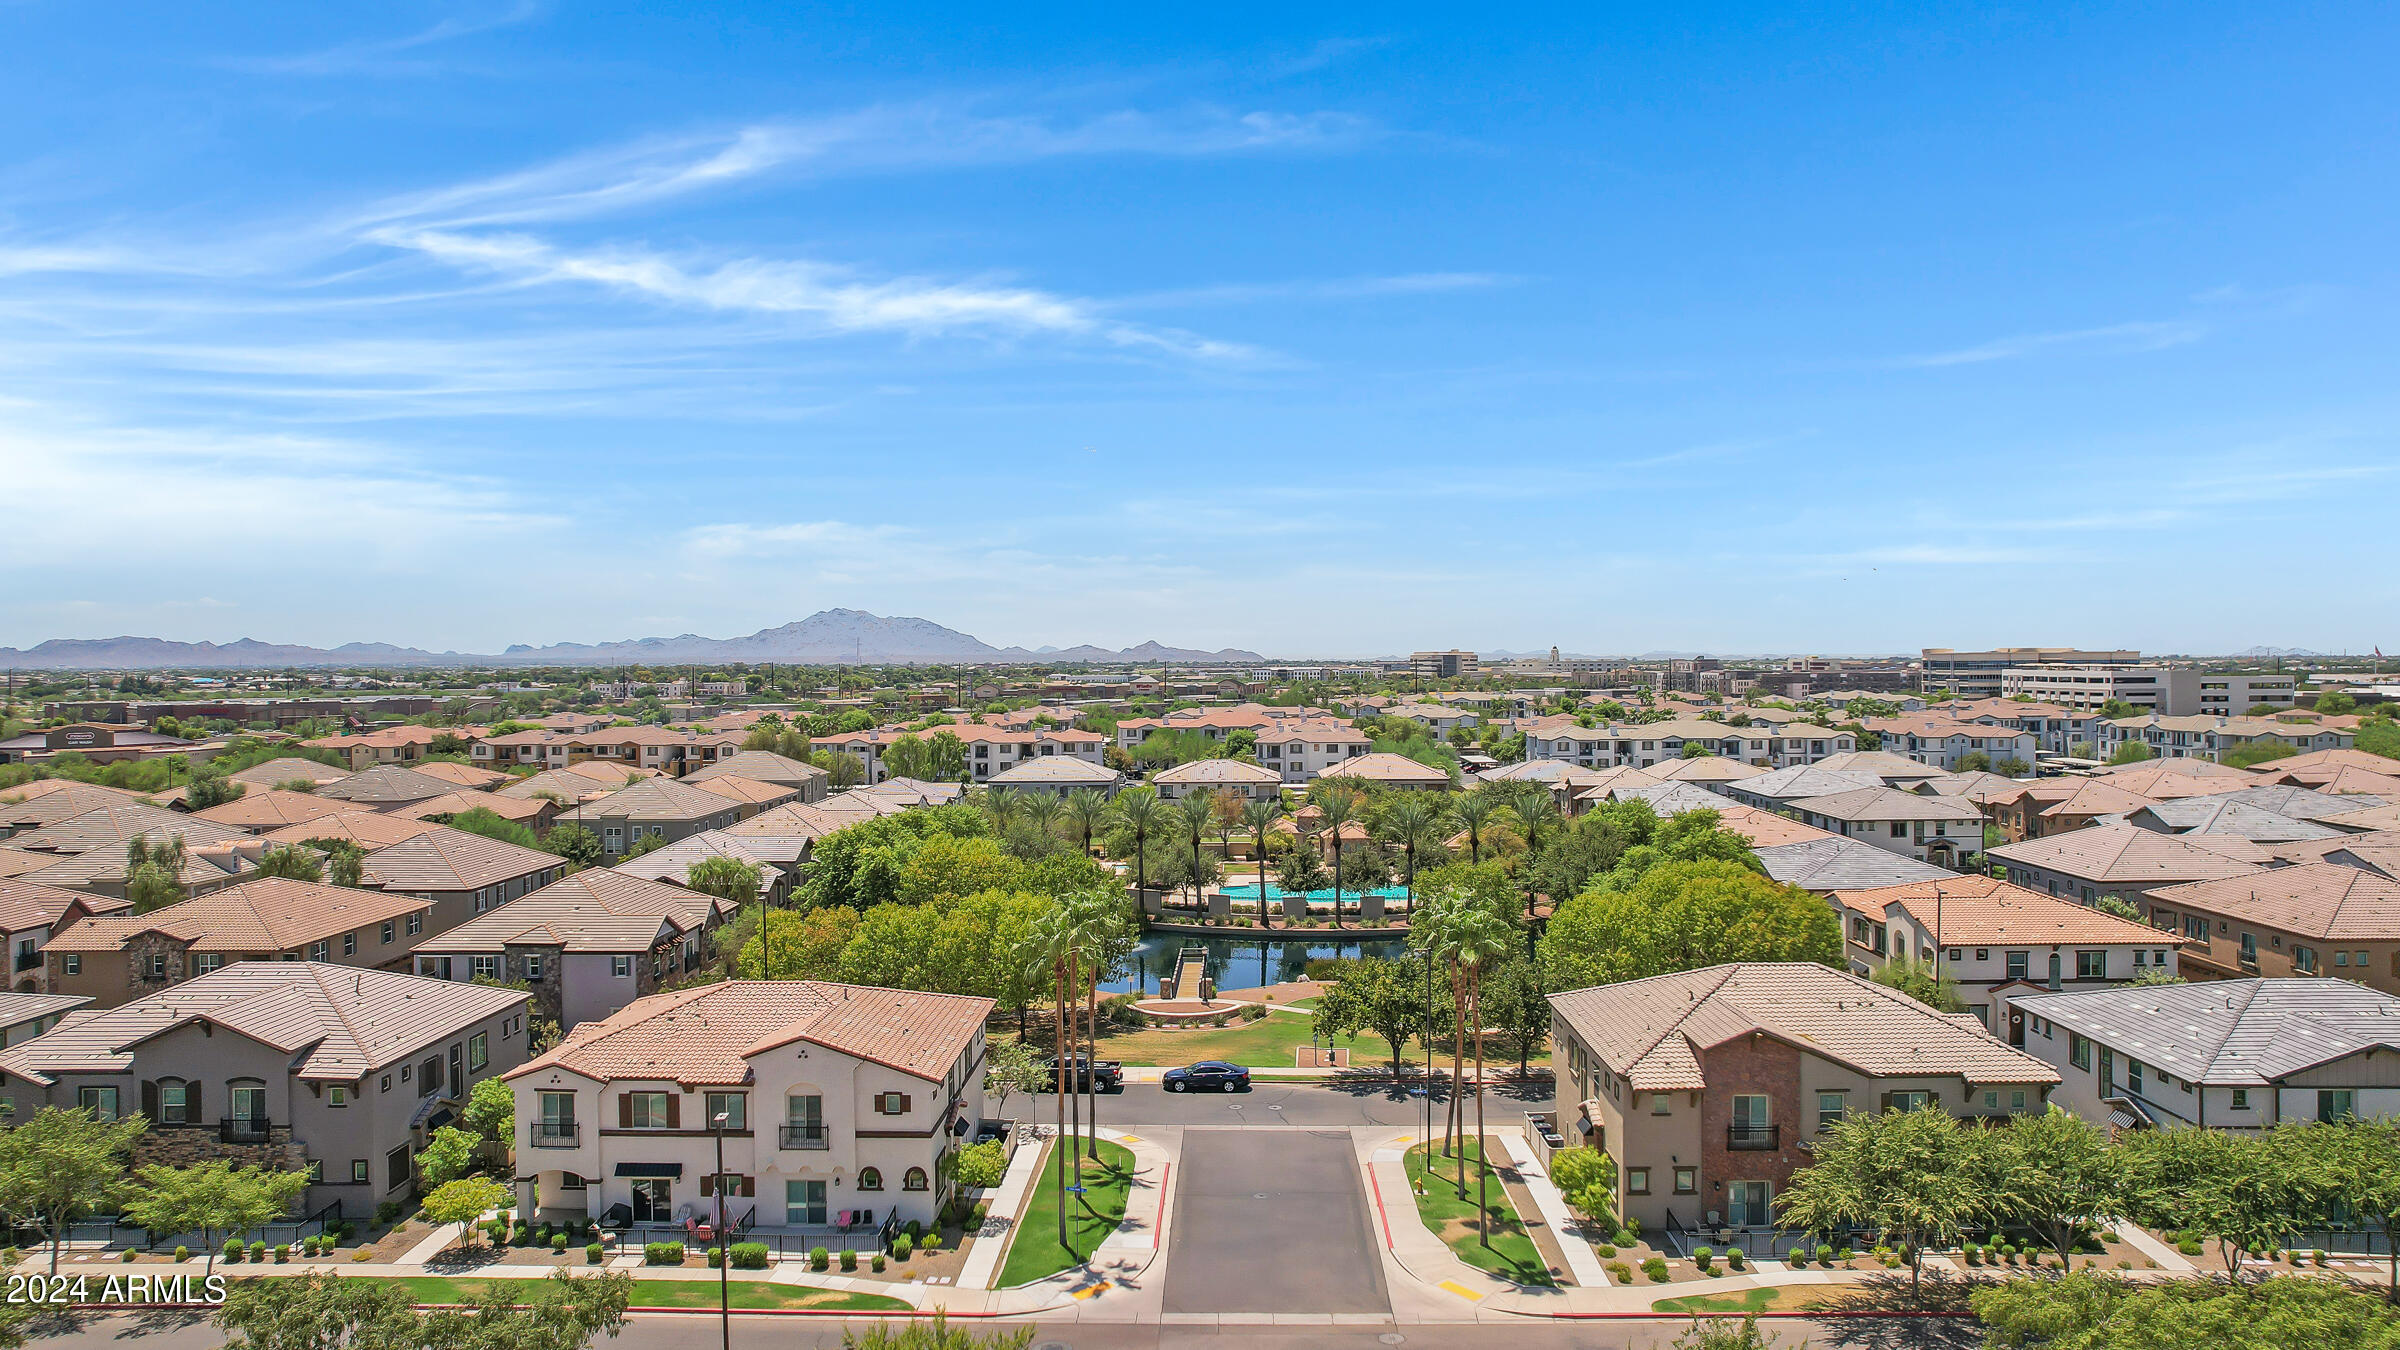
<point x="1427" y="1037"/>
<point x="716" y="1126"/>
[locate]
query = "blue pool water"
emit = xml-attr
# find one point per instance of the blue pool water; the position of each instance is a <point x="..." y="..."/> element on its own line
<point x="1249" y="891"/>
<point x="1243" y="962"/>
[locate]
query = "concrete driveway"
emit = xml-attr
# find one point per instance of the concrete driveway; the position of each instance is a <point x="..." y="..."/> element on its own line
<point x="1271" y="1221"/>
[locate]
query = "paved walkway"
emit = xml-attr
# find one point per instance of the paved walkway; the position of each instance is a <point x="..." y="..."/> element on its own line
<point x="1008" y="1202"/>
<point x="1582" y="1262"/>
<point x="2166" y="1256"/>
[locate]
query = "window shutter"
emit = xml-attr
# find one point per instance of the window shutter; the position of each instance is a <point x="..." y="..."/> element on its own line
<point x="708" y="1185"/>
<point x="1933" y="1101"/>
<point x="191" y="1102"/>
<point x="625" y="1110"/>
<point x="674" y="1110"/>
<point x="150" y="1098"/>
<point x="749" y="1187"/>
<point x="1887" y="1101"/>
<point x="904" y="1103"/>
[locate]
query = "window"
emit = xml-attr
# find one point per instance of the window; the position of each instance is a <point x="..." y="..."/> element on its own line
<point x="2016" y="1100"/>
<point x="620" y="966"/>
<point x="2133" y="1076"/>
<point x="1991" y="1100"/>
<point x="337" y="1095"/>
<point x="1661" y="1104"/>
<point x="804" y="1202"/>
<point x="429" y="1076"/>
<point x="2079" y="1052"/>
<point x="483" y="967"/>
<point x="387" y="931"/>
<point x="100" y="1101"/>
<point x="320" y="950"/>
<point x="175" y="1102"/>
<point x="416" y="924"/>
<point x="646" y="1110"/>
<point x="349" y="944"/>
<point x="1908" y="1101"/>
<point x="1831" y="1107"/>
<point x="2091" y="965"/>
<point x="2249" y="949"/>
<point x="250" y="1104"/>
<point x="870" y="1179"/>
<point x="891" y="1103"/>
<point x="208" y="961"/>
<point x="478" y="1053"/>
<point x="2304" y="960"/>
<point x="2332" y="1105"/>
<point x="74" y="964"/>
<point x="385" y="1085"/>
<point x="533" y="968"/>
<point x="358" y="1170"/>
<point x="158" y="966"/>
<point x="2020" y="965"/>
<point x="913" y="1179"/>
<point x="1687" y="1180"/>
<point x="2241" y="1099"/>
<point x="731" y="1105"/>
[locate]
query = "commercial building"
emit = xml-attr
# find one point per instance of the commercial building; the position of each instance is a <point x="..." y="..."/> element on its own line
<point x="1980" y="674"/>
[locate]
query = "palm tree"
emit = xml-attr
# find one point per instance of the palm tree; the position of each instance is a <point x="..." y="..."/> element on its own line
<point x="1085" y="811"/>
<point x="1138" y="810"/>
<point x="1041" y="811"/>
<point x="1479" y="938"/>
<point x="1436" y="931"/>
<point x="1536" y="811"/>
<point x="1194" y="813"/>
<point x="1052" y="945"/>
<point x="1473" y="809"/>
<point x="1337" y="807"/>
<point x="1413" y="820"/>
<point x="1002" y="808"/>
<point x="1101" y="934"/>
<point x="1257" y="816"/>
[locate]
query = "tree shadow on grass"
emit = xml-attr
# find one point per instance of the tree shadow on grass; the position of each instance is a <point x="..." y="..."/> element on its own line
<point x="1860" y="1314"/>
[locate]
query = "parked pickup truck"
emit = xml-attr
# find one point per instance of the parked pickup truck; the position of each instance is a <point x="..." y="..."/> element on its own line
<point x="1107" y="1072"/>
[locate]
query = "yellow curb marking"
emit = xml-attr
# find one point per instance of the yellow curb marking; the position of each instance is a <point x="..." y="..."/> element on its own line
<point x="1096" y="1289"/>
<point x="1462" y="1291"/>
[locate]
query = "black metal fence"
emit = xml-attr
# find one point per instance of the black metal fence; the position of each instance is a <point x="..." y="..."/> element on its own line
<point x="1758" y="1242"/>
<point x="107" y="1230"/>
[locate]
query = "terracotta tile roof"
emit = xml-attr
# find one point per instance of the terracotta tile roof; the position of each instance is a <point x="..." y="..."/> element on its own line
<point x="26" y="904"/>
<point x="465" y="775"/>
<point x="1883" y="764"/>
<point x="211" y="865"/>
<point x="576" y="782"/>
<point x="1653" y="1031"/>
<point x="444" y="859"/>
<point x="707" y="1035"/>
<point x="1887" y="803"/>
<point x="1054" y="771"/>
<point x="519" y="809"/>
<point x="750" y="791"/>
<point x="762" y="766"/>
<point x="2191" y="765"/>
<point x="651" y="799"/>
<point x="25" y="808"/>
<point x="388" y="785"/>
<point x="599" y="909"/>
<point x="2339" y="778"/>
<point x="263" y="809"/>
<point x="2130" y="856"/>
<point x="1986" y="911"/>
<point x="2320" y="900"/>
<point x="2078" y="797"/>
<point x="2169" y="779"/>
<point x="1217" y="772"/>
<point x="263" y="915"/>
<point x="370" y="830"/>
<point x="287" y="770"/>
<point x="2372" y="819"/>
<point x="113" y="827"/>
<point x="391" y="738"/>
<point x="339" y="1023"/>
<point x="1807" y="780"/>
<point x="16" y="862"/>
<point x="1766" y="829"/>
<point x="1384" y="767"/>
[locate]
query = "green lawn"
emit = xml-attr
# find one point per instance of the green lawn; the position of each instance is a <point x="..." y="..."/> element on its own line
<point x="1509" y="1252"/>
<point x="1266" y="1044"/>
<point x="1094" y="1215"/>
<point x="1762" y="1299"/>
<point x="749" y="1293"/>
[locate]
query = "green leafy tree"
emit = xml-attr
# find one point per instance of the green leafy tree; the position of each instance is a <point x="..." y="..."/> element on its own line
<point x="463" y="1201"/>
<point x="2248" y="1191"/>
<point x="2090" y="1310"/>
<point x="2353" y="1167"/>
<point x="2335" y="703"/>
<point x="1537" y="818"/>
<point x="1587" y="1178"/>
<point x="210" y="1198"/>
<point x="1516" y="1003"/>
<point x="1474" y="811"/>
<point x="345" y="862"/>
<point x="153" y="872"/>
<point x="321" y="1311"/>
<point x="1086" y="811"/>
<point x="946" y="868"/>
<point x="63" y="1163"/>
<point x="1258" y="816"/>
<point x="446" y="1157"/>
<point x="1683" y="916"/>
<point x="2131" y="752"/>
<point x="293" y="862"/>
<point x="1922" y="981"/>
<point x="575" y="843"/>
<point x="1139" y="813"/>
<point x="1011" y="1067"/>
<point x="2256" y="753"/>
<point x="209" y="787"/>
<point x="1912" y="1176"/>
<point x="2059" y="1176"/>
<point x="1194" y="815"/>
<point x="491" y="824"/>
<point x="727" y="878"/>
<point x="1389" y="998"/>
<point x="491" y="1111"/>
<point x="1415" y="823"/>
<point x="1336" y="807"/>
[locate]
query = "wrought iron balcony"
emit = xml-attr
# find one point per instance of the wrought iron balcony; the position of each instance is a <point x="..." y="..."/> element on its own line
<point x="1754" y="1137"/>
<point x="805" y="1136"/>
<point x="554" y="1134"/>
<point x="244" y="1129"/>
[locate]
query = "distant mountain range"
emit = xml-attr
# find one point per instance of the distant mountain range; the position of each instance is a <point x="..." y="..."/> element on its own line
<point x="831" y="637"/>
<point x="2252" y="652"/>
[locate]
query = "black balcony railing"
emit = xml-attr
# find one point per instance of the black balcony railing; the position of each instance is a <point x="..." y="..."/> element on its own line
<point x="29" y="960"/>
<point x="555" y="1134"/>
<point x="1753" y="1136"/>
<point x="244" y="1129"/>
<point x="805" y="1136"/>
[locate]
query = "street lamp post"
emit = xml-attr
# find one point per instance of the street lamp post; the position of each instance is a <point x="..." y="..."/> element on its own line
<point x="1427" y="1037"/>
<point x="716" y="1125"/>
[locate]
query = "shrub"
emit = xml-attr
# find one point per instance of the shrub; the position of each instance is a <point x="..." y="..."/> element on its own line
<point x="258" y="1253"/>
<point x="932" y="1242"/>
<point x="183" y="1253"/>
<point x="715" y="1257"/>
<point x="594" y="1254"/>
<point x="1656" y="1269"/>
<point x="363" y="1254"/>
<point x="1704" y="1257"/>
<point x="1254" y="1013"/>
<point x="127" y="1255"/>
<point x="1841" y="1254"/>
<point x="1620" y="1272"/>
<point x="875" y="1263"/>
<point x="232" y="1253"/>
<point x="558" y="1244"/>
<point x="2317" y="1258"/>
<point x="386" y="1212"/>
<point x="1625" y="1237"/>
<point x="1735" y="1258"/>
<point x="749" y="1256"/>
<point x="849" y="1259"/>
<point x="819" y="1258"/>
<point x="903" y="1247"/>
<point x="916" y="1227"/>
<point x="283" y="1253"/>
<point x="1606" y="1251"/>
<point x="663" y="1254"/>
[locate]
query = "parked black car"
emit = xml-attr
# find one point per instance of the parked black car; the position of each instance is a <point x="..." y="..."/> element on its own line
<point x="1208" y="1073"/>
<point x="1109" y="1073"/>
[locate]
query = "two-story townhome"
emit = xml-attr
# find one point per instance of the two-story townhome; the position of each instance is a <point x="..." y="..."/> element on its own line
<point x="459" y="873"/>
<point x="575" y="783"/>
<point x="1217" y="724"/>
<point x="289" y="1064"/>
<point x="808" y="782"/>
<point x="2204" y="737"/>
<point x="2321" y="769"/>
<point x="586" y="945"/>
<point x="989" y="749"/>
<point x="279" y="773"/>
<point x="114" y="959"/>
<point x="1253" y="781"/>
<point x="1983" y="934"/>
<point x="1776" y="789"/>
<point x="260" y="810"/>
<point x="29" y="913"/>
<point x="2223" y="1054"/>
<point x="1396" y="772"/>
<point x="2048" y="806"/>
<point x="776" y="857"/>
<point x="2316" y="919"/>
<point x="835" y="1103"/>
<point x="1707" y="1086"/>
<point x="1939" y="830"/>
<point x="91" y="849"/>
<point x="2125" y="861"/>
<point x="534" y="813"/>
<point x="24" y="1016"/>
<point x="1058" y="776"/>
<point x="1299" y="751"/>
<point x="667" y="750"/>
<point x="387" y="787"/>
<point x="1943" y="742"/>
<point x="389" y="745"/>
<point x="47" y="801"/>
<point x="660" y="809"/>
<point x="2226" y="814"/>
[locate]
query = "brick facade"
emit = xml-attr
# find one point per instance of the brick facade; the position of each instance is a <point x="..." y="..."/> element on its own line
<point x="1753" y="1064"/>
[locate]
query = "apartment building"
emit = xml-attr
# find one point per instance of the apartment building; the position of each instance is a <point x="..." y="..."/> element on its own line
<point x="339" y="1071"/>
<point x="1301" y="751"/>
<point x="115" y="959"/>
<point x="1944" y="831"/>
<point x="459" y="874"/>
<point x="1708" y="1086"/>
<point x="1981" y="674"/>
<point x="586" y="945"/>
<point x="2212" y="738"/>
<point x="1640" y="746"/>
<point x="1986" y="934"/>
<point x="405" y="745"/>
<point x="1217" y="724"/>
<point x="990" y="749"/>
<point x="1945" y="743"/>
<point x="2315" y="919"/>
<point x="2222" y="1054"/>
<point x="2049" y="806"/>
<point x="660" y="809"/>
<point x="835" y="1106"/>
<point x="29" y="913"/>
<point x="666" y="750"/>
<point x="1397" y="772"/>
<point x="2124" y="861"/>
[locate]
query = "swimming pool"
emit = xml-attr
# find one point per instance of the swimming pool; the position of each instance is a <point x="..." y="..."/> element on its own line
<point x="1242" y="962"/>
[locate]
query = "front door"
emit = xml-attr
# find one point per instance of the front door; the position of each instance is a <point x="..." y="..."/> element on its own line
<point x="250" y="1108"/>
<point x="653" y="1200"/>
<point x="1746" y="1203"/>
<point x="804" y="1203"/>
<point x="2016" y="1027"/>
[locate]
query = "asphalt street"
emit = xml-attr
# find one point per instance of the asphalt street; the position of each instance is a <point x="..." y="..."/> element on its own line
<point x="1306" y="1104"/>
<point x="1271" y="1222"/>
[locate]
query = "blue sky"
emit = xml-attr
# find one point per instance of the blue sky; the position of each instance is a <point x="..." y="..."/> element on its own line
<point x="1335" y="333"/>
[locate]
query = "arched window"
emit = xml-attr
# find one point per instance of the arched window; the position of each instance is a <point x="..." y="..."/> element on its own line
<point x="870" y="1179"/>
<point x="914" y="1181"/>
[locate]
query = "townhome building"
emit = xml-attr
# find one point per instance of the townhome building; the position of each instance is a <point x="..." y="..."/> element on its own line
<point x="366" y="831"/>
<point x="260" y="810"/>
<point x="2314" y="919"/>
<point x="777" y="858"/>
<point x="1776" y="789"/>
<point x="2048" y="806"/>
<point x="1987" y="935"/>
<point x="1217" y="724"/>
<point x="1943" y="831"/>
<point x="666" y="750"/>
<point x="1253" y="781"/>
<point x="335" y="1070"/>
<point x="90" y="851"/>
<point x="2223" y="814"/>
<point x="460" y="874"/>
<point x="406" y="745"/>
<point x="835" y="1106"/>
<point x="807" y="782"/>
<point x="990" y="749"/>
<point x="2220" y="1054"/>
<point x="25" y="1015"/>
<point x="1300" y="751"/>
<point x="660" y="809"/>
<point x="1708" y="1087"/>
<point x="2057" y="730"/>
<point x="387" y="787"/>
<point x="115" y="959"/>
<point x="2124" y="861"/>
<point x="1438" y="718"/>
<point x="585" y="946"/>
<point x="1396" y="772"/>
<point x="534" y="813"/>
<point x="1945" y="743"/>
<point x="1648" y="744"/>
<point x="47" y="801"/>
<point x="29" y="913"/>
<point x="2199" y="736"/>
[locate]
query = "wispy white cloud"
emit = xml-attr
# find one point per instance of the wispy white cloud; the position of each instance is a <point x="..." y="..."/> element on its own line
<point x="378" y="56"/>
<point x="1336" y="288"/>
<point x="2112" y="339"/>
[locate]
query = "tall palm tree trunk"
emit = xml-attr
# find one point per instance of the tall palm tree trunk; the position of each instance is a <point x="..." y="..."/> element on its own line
<point x="1266" y="917"/>
<point x="1091" y="1078"/>
<point x="1058" y="1036"/>
<point x="1483" y="1162"/>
